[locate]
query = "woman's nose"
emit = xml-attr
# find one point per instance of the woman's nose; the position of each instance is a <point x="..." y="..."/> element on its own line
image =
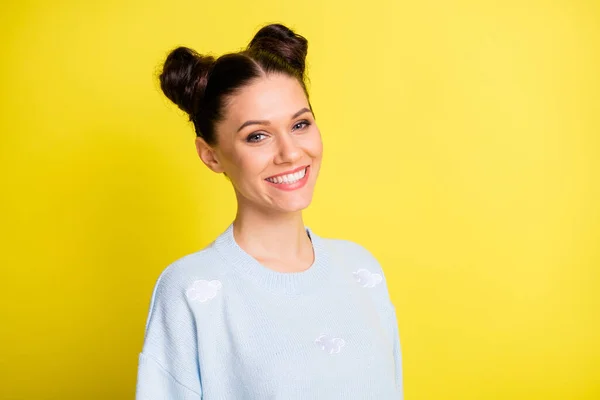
<point x="288" y="150"/>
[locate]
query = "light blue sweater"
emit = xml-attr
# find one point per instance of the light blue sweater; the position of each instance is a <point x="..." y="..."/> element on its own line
<point x="222" y="326"/>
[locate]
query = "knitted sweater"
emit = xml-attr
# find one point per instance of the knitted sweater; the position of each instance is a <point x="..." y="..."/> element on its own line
<point x="223" y="326"/>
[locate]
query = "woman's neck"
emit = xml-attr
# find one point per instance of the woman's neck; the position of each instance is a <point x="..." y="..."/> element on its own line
<point x="278" y="241"/>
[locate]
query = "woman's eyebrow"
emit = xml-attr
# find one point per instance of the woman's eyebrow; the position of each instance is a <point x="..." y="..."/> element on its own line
<point x="263" y="122"/>
<point x="299" y="113"/>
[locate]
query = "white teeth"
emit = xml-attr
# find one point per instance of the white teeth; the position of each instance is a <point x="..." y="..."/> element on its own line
<point x="290" y="178"/>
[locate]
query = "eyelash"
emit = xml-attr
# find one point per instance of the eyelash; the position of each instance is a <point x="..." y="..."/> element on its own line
<point x="253" y="135"/>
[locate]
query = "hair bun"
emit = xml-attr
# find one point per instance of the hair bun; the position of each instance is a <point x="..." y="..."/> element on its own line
<point x="281" y="41"/>
<point x="183" y="78"/>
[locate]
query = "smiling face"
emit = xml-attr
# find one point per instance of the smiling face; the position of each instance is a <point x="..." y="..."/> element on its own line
<point x="268" y="145"/>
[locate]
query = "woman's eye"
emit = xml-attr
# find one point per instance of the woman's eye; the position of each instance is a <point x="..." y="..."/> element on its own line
<point x="301" y="125"/>
<point x="254" y="138"/>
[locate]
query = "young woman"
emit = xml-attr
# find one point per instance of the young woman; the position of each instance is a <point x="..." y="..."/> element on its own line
<point x="268" y="310"/>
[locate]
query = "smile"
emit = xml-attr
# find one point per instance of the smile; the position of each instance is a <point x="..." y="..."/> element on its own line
<point x="290" y="181"/>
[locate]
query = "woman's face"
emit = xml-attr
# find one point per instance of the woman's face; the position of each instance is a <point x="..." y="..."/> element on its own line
<point x="269" y="145"/>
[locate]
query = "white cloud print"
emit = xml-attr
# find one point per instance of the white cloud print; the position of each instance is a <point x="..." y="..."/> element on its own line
<point x="366" y="278"/>
<point x="203" y="290"/>
<point x="329" y="344"/>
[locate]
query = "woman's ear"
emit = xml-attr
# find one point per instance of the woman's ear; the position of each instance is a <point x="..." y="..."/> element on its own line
<point x="208" y="155"/>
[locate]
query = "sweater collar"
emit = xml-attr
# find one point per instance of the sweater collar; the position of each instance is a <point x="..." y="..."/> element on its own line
<point x="291" y="283"/>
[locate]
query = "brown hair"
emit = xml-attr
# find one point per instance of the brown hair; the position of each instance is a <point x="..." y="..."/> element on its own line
<point x="200" y="85"/>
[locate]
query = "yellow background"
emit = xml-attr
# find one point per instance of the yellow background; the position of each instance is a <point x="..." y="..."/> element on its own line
<point x="461" y="147"/>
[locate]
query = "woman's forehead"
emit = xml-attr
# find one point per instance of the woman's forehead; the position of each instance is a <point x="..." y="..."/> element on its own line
<point x="268" y="98"/>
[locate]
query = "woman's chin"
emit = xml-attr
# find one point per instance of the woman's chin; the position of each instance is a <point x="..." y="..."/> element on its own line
<point x="293" y="205"/>
<point x="284" y="204"/>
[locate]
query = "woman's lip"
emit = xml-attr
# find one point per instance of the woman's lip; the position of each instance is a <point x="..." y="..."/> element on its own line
<point x="288" y="172"/>
<point x="291" y="186"/>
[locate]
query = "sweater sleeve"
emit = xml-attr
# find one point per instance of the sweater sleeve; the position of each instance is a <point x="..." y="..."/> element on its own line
<point x="168" y="364"/>
<point x="397" y="351"/>
<point x="365" y="257"/>
<point x="392" y="325"/>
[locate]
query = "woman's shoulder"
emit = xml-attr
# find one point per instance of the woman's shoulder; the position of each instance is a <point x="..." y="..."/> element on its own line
<point x="351" y="250"/>
<point x="359" y="262"/>
<point x="191" y="267"/>
<point x="355" y="258"/>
